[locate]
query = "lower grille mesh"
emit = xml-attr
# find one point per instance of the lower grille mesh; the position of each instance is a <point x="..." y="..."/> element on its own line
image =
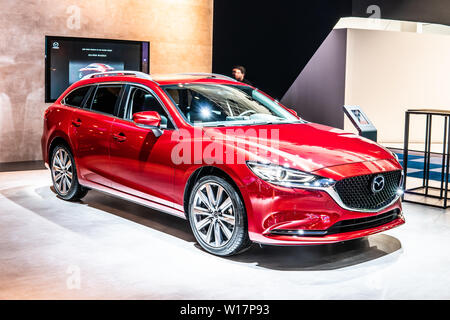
<point x="363" y="223"/>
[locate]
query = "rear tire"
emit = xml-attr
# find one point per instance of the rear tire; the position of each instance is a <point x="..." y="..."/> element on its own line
<point x="64" y="175"/>
<point x="217" y="217"/>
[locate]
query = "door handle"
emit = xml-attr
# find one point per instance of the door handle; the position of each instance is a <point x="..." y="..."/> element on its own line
<point x="77" y="122"/>
<point x="119" y="137"/>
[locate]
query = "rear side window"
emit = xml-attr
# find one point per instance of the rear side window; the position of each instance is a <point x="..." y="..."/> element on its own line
<point x="106" y="98"/>
<point x="75" y="98"/>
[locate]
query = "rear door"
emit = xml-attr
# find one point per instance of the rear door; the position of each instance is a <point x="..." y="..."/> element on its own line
<point x="91" y="127"/>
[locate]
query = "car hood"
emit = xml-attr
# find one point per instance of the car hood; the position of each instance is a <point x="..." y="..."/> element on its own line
<point x="304" y="146"/>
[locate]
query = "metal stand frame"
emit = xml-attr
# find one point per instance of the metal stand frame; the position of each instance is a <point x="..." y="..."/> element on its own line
<point x="443" y="190"/>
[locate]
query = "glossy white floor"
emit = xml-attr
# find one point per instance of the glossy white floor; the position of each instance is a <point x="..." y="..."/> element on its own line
<point x="107" y="248"/>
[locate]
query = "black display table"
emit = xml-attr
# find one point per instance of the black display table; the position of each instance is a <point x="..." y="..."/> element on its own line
<point x="425" y="190"/>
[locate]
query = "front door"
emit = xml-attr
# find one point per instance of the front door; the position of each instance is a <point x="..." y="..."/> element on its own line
<point x="140" y="161"/>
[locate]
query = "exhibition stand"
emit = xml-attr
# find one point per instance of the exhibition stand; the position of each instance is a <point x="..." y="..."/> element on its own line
<point x="425" y="189"/>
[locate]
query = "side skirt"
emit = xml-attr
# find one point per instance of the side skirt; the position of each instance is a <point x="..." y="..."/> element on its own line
<point x="126" y="196"/>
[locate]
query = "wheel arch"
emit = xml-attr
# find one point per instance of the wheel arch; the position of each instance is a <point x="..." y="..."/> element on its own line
<point x="206" y="171"/>
<point x="58" y="140"/>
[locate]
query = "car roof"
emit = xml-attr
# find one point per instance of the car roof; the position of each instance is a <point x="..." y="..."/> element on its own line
<point x="162" y="79"/>
<point x="175" y="78"/>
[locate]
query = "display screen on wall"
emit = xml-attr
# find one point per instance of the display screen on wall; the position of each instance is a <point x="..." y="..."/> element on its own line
<point x="67" y="60"/>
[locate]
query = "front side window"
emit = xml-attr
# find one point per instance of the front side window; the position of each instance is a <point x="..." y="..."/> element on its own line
<point x="75" y="98"/>
<point x="141" y="100"/>
<point x="106" y="98"/>
<point x="226" y="105"/>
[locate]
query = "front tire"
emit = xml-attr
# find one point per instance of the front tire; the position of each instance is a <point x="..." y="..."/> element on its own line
<point x="64" y="175"/>
<point x="217" y="217"/>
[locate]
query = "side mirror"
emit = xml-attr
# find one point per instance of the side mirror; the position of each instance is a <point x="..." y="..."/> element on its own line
<point x="147" y="119"/>
<point x="293" y="112"/>
<point x="150" y="120"/>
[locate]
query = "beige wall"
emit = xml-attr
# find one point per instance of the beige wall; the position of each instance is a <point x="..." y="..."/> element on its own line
<point x="389" y="72"/>
<point x="179" y="31"/>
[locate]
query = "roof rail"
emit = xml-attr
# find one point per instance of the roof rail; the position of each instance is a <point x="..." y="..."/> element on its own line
<point x="137" y="74"/>
<point x="209" y="75"/>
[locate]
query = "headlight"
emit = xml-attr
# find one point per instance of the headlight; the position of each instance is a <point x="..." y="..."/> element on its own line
<point x="395" y="156"/>
<point x="288" y="177"/>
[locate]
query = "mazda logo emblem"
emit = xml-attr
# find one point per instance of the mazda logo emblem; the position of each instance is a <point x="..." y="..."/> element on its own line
<point x="377" y="184"/>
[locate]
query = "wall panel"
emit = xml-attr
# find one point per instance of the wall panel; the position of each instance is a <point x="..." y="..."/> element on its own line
<point x="179" y="31"/>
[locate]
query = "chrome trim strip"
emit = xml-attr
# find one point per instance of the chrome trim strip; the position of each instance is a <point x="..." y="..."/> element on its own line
<point x="178" y="207"/>
<point x="335" y="196"/>
<point x="298" y="233"/>
<point x="143" y="86"/>
<point x="138" y="200"/>
<point x="63" y="100"/>
<point x="137" y="84"/>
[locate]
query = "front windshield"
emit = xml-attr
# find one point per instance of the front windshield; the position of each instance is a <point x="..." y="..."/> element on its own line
<point x="227" y="105"/>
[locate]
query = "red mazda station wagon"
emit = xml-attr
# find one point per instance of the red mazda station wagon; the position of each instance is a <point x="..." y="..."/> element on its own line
<point x="238" y="165"/>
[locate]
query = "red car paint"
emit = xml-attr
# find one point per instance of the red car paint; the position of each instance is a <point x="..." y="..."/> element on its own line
<point x="115" y="155"/>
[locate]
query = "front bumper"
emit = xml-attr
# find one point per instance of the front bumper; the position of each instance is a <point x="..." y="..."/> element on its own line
<point x="274" y="236"/>
<point x="293" y="216"/>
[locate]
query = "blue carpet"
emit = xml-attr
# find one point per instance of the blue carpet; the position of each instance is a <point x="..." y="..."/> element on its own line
<point x="415" y="164"/>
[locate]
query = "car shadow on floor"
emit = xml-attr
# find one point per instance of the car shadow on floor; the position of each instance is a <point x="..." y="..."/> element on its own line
<point x="308" y="258"/>
<point x="321" y="257"/>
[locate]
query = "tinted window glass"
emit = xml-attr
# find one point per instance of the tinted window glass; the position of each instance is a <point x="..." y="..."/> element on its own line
<point x="75" y="98"/>
<point x="217" y="104"/>
<point x="141" y="100"/>
<point x="105" y="99"/>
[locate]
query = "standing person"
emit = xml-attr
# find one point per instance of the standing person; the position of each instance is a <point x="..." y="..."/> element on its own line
<point x="238" y="73"/>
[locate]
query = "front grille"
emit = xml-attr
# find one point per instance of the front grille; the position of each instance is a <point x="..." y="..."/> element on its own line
<point x="364" y="223"/>
<point x="356" y="192"/>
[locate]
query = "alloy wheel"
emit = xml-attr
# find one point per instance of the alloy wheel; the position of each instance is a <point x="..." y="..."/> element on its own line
<point x="62" y="171"/>
<point x="214" y="215"/>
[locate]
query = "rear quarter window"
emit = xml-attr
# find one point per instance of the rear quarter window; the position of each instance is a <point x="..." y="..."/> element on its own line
<point x="76" y="97"/>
